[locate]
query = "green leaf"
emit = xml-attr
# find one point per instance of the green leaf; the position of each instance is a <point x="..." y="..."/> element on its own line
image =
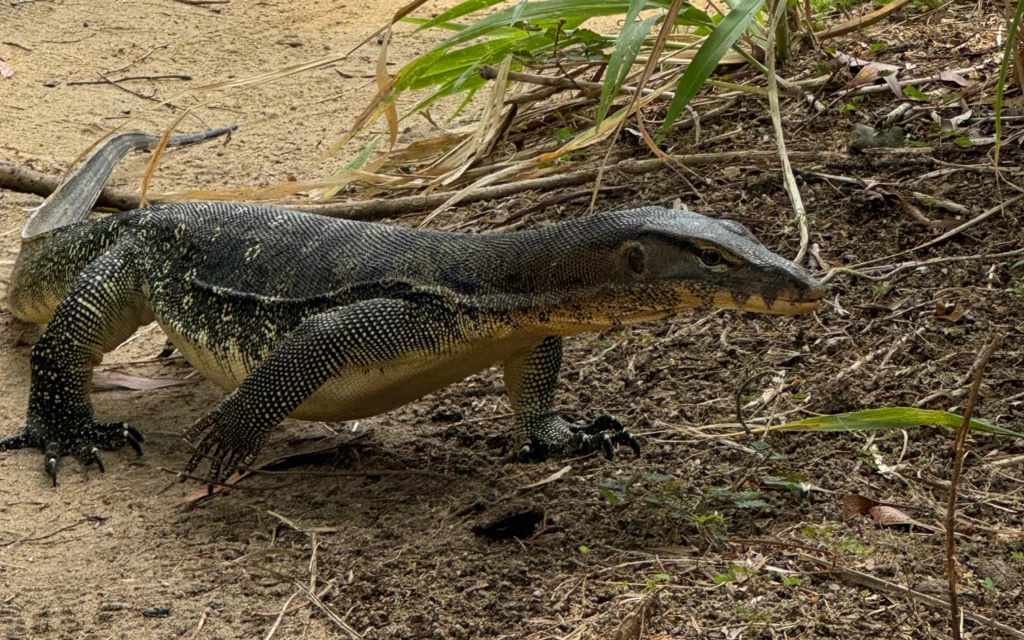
<point x="610" y="497"/>
<point x="890" y="418"/>
<point x="517" y="12"/>
<point x="707" y="57"/>
<point x="913" y="92"/>
<point x="1013" y="28"/>
<point x="459" y="10"/>
<point x="631" y="38"/>
<point x="364" y="155"/>
<point x="533" y="12"/>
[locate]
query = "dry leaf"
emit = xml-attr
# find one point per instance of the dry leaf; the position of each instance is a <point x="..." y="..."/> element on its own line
<point x="851" y="61"/>
<point x="872" y="72"/>
<point x="887" y="515"/>
<point x="949" y="311"/>
<point x="110" y="380"/>
<point x="894" y="85"/>
<point x="957" y="79"/>
<point x="855" y="505"/>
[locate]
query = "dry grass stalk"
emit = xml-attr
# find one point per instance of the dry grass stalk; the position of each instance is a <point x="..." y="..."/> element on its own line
<point x="789" y="180"/>
<point x="960" y="449"/>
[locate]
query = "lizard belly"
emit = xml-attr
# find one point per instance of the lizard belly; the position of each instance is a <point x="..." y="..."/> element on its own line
<point x="363" y="392"/>
<point x="360" y="392"/>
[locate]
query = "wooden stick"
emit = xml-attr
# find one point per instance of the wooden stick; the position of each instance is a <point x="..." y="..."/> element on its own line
<point x="970" y="223"/>
<point x="959" y="450"/>
<point x="870" y="581"/>
<point x="27" y="181"/>
<point x="172" y="76"/>
<point x="864" y="21"/>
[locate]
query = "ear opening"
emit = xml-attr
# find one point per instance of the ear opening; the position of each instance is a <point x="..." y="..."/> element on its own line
<point x="636" y="257"/>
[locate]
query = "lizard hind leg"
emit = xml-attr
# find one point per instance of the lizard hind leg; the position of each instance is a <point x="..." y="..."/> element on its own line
<point x="531" y="377"/>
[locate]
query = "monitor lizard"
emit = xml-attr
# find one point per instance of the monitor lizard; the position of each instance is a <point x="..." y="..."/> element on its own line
<point x="319" y="318"/>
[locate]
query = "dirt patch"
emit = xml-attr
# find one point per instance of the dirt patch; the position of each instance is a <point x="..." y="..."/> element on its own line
<point x="418" y="525"/>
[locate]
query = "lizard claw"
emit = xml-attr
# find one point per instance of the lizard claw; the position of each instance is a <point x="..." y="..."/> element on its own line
<point x="561" y="437"/>
<point x="598" y="431"/>
<point x="52" y="459"/>
<point x="227" y="454"/>
<point x="84" y="442"/>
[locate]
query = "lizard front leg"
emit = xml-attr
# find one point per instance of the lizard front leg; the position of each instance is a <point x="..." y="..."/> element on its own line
<point x="531" y="376"/>
<point x="103" y="307"/>
<point x="363" y="335"/>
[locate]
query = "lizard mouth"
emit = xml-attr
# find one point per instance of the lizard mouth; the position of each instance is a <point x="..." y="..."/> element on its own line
<point x="791" y="305"/>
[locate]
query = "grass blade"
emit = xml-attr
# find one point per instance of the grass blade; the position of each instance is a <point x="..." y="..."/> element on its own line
<point x="710" y="53"/>
<point x="1008" y="52"/>
<point x="631" y="38"/>
<point x="459" y="10"/>
<point x="887" y="419"/>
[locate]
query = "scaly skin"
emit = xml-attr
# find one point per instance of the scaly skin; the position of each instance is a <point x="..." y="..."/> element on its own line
<point x="324" y="319"/>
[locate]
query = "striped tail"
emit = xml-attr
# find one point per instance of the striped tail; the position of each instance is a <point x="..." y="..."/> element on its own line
<point x="76" y="195"/>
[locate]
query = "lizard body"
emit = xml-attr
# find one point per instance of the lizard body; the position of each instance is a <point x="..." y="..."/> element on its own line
<point x="326" y="319"/>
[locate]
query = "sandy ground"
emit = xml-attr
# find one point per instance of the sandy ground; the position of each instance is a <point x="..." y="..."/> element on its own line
<point x="387" y="527"/>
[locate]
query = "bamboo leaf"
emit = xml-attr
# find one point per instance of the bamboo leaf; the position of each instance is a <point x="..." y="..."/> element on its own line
<point x="888" y="419"/>
<point x="459" y="10"/>
<point x="554" y="10"/>
<point x="517" y="12"/>
<point x="631" y="38"/>
<point x="707" y="57"/>
<point x="1008" y="53"/>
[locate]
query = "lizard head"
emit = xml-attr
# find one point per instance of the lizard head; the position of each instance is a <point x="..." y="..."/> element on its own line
<point x="706" y="262"/>
<point x="650" y="262"/>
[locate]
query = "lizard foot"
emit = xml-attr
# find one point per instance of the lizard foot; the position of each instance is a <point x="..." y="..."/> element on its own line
<point x="85" y="444"/>
<point x="555" y="435"/>
<point x="228" y="450"/>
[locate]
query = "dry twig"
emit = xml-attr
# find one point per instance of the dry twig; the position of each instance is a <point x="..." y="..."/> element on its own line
<point x="789" y="180"/>
<point x="959" y="449"/>
<point x="871" y="582"/>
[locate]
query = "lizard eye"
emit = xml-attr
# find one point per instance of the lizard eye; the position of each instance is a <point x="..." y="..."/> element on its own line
<point x="711" y="258"/>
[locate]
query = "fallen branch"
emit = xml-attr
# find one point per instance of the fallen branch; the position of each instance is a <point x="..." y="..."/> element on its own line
<point x="911" y="82"/>
<point x="173" y="76"/>
<point x="970" y="223"/>
<point x="863" y="21"/>
<point x="25" y="180"/>
<point x="959" y="450"/>
<point x="871" y="582"/>
<point x="28" y="181"/>
<point x="53" y="533"/>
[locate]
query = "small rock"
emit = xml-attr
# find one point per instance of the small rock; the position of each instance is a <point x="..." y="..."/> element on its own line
<point x="865" y="137"/>
<point x="157" y="612"/>
<point x="52" y="83"/>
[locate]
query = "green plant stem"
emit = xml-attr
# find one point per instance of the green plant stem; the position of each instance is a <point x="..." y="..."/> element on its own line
<point x="732" y="86"/>
<point x="1008" y="51"/>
